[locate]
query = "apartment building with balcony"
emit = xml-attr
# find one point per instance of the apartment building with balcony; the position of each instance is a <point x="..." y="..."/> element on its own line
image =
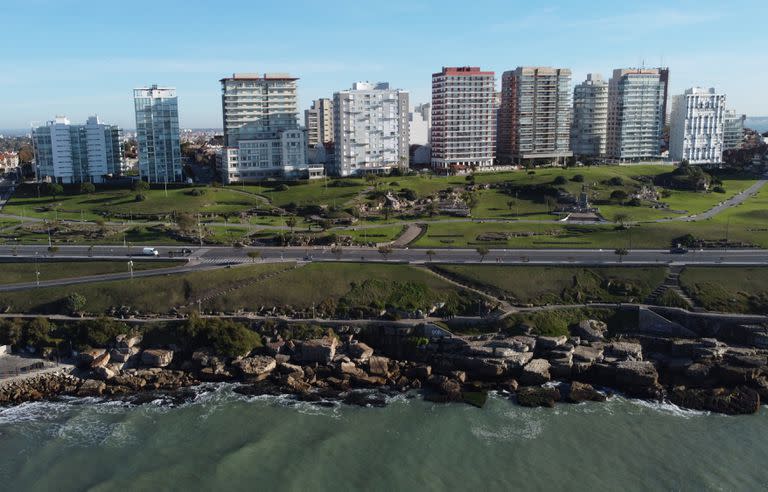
<point x="67" y="153"/>
<point x="463" y="134"/>
<point x="733" y="130"/>
<point x="636" y="102"/>
<point x="262" y="138"/>
<point x="697" y="126"/>
<point x="318" y="120"/>
<point x="157" y="134"/>
<point x="535" y="116"/>
<point x="589" y="130"/>
<point x="371" y="130"/>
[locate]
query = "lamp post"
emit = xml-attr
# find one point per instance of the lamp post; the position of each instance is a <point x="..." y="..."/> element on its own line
<point x="130" y="268"/>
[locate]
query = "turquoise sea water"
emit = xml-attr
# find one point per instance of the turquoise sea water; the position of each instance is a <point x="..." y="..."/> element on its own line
<point x="223" y="441"/>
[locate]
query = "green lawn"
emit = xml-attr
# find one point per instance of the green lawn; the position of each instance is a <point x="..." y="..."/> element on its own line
<point x="150" y="294"/>
<point x="373" y="234"/>
<point x="728" y="289"/>
<point x="157" y="202"/>
<point x="11" y="273"/>
<point x="557" y="285"/>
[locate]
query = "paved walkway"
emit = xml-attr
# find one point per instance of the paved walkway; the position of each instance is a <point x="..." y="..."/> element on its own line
<point x="739" y="198"/>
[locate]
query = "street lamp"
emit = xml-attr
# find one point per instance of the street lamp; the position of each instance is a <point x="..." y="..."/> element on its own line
<point x="130" y="267"/>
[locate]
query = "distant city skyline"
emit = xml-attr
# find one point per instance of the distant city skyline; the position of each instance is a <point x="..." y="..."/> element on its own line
<point x="80" y="62"/>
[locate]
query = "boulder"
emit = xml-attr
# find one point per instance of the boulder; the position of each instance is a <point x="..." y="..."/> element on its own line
<point x="214" y="375"/>
<point x="579" y="392"/>
<point x="448" y="388"/>
<point x="360" y="351"/>
<point x="636" y="373"/>
<point x="537" y="396"/>
<point x="736" y="401"/>
<point x="135" y="383"/>
<point x="517" y="360"/>
<point x="287" y="368"/>
<point x="351" y="369"/>
<point x="255" y="368"/>
<point x="482" y="368"/>
<point x="156" y="357"/>
<point x="591" y="330"/>
<point x="378" y="365"/>
<point x="100" y="361"/>
<point x="103" y="373"/>
<point x="84" y="359"/>
<point x="320" y="350"/>
<point x="585" y="353"/>
<point x="122" y="355"/>
<point x="91" y="387"/>
<point x="535" y="372"/>
<point x="420" y="372"/>
<point x="625" y="350"/>
<point x="548" y="343"/>
<point x="127" y="341"/>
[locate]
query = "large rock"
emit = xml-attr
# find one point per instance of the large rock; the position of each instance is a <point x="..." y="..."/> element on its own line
<point x="636" y="373"/>
<point x="122" y="354"/>
<point x="448" y="388"/>
<point x="420" y="372"/>
<point x="256" y="367"/>
<point x="548" y="343"/>
<point x="100" y="361"/>
<point x="482" y="368"/>
<point x="535" y="372"/>
<point x="584" y="353"/>
<point x="103" y="373"/>
<point x="128" y="341"/>
<point x="579" y="392"/>
<point x="351" y="369"/>
<point x="536" y="396"/>
<point x="729" y="401"/>
<point x="515" y="361"/>
<point x="591" y="330"/>
<point x="320" y="350"/>
<point x="378" y="366"/>
<point x="360" y="351"/>
<point x="156" y="357"/>
<point x="86" y="358"/>
<point x="625" y="350"/>
<point x="91" y="387"/>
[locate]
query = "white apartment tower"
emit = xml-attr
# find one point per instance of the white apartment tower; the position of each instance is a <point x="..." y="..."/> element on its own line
<point x="589" y="131"/>
<point x="371" y="129"/>
<point x="318" y="121"/>
<point x="419" y="123"/>
<point x="697" y="126"/>
<point x="262" y="138"/>
<point x="157" y="134"/>
<point x="67" y="153"/>
<point x="463" y="119"/>
<point x="636" y="105"/>
<point x="535" y="115"/>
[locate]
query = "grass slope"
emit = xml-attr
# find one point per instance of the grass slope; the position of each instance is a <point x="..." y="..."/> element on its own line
<point x="11" y="273"/>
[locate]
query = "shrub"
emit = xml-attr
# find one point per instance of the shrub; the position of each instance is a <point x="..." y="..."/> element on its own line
<point x="197" y="192"/>
<point x="618" y="195"/>
<point x="578" y="178"/>
<point x="282" y="187"/>
<point x="226" y="337"/>
<point x="560" y="180"/>
<point x="718" y="189"/>
<point x="74" y="303"/>
<point x="140" y="186"/>
<point x="616" y="181"/>
<point x="140" y="198"/>
<point x="87" y="188"/>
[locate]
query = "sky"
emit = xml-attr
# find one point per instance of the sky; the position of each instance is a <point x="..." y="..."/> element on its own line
<point x="77" y="58"/>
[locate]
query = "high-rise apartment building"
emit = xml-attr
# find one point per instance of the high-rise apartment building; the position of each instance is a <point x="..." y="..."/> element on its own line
<point x="419" y="123"/>
<point x="535" y="115"/>
<point x="590" y="117"/>
<point x="635" y="114"/>
<point x="463" y="119"/>
<point x="262" y="138"/>
<point x="697" y="126"/>
<point x="318" y="121"/>
<point x="371" y="129"/>
<point x="157" y="134"/>
<point x="733" y="130"/>
<point x="67" y="153"/>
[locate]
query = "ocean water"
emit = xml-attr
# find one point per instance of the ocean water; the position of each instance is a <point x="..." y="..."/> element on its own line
<point x="224" y="441"/>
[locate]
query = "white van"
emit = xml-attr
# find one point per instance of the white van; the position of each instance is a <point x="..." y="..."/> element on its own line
<point x="150" y="252"/>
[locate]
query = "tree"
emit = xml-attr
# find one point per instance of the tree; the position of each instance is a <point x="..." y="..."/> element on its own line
<point x="139" y="186"/>
<point x="511" y="204"/>
<point x="291" y="222"/>
<point x="385" y="250"/>
<point x="621" y="219"/>
<point x="551" y="203"/>
<point x="254" y="255"/>
<point x="53" y="189"/>
<point x="430" y="254"/>
<point x="185" y="221"/>
<point x="578" y="178"/>
<point x="75" y="303"/>
<point x="87" y="188"/>
<point x="37" y="332"/>
<point x="483" y="252"/>
<point x="619" y="195"/>
<point x="11" y="331"/>
<point x="621" y="253"/>
<point x="559" y="181"/>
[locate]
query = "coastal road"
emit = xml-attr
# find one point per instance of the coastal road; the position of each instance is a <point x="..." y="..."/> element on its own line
<point x="230" y="255"/>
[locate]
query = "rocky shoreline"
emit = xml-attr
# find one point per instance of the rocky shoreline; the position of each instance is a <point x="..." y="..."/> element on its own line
<point x="700" y="374"/>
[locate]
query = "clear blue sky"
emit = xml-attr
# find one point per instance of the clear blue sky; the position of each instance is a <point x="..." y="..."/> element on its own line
<point x="83" y="57"/>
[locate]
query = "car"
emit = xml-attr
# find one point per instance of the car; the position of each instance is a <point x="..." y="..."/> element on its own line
<point x="678" y="250"/>
<point x="150" y="252"/>
<point x="308" y="258"/>
<point x="186" y="251"/>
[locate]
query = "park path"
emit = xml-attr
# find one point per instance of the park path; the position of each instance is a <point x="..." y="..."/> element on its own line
<point x="411" y="232"/>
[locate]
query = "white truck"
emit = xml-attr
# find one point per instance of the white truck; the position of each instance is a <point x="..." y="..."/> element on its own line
<point x="149" y="252"/>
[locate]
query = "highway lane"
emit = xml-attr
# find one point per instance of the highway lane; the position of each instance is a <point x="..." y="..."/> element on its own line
<point x="218" y="255"/>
